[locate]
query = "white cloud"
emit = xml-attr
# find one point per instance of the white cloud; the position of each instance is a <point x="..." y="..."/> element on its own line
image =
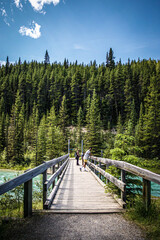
<point x="4" y="15"/>
<point x="18" y="4"/>
<point x="3" y="12"/>
<point x="2" y="62"/>
<point x="38" y="4"/>
<point x="78" y="47"/>
<point x="33" y="32"/>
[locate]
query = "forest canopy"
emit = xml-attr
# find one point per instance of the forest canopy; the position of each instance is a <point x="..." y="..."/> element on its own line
<point x="40" y="101"/>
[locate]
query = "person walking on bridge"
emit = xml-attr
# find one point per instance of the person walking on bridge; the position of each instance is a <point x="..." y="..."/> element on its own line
<point x="86" y="156"/>
<point x="77" y="156"/>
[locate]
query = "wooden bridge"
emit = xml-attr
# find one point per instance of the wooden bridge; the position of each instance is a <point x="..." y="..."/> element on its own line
<point x="80" y="192"/>
<point x="74" y="191"/>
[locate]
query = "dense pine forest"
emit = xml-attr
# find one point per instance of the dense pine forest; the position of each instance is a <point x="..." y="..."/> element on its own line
<point x="113" y="107"/>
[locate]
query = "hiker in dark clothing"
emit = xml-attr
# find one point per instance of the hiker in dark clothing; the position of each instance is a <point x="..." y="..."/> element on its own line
<point x="77" y="157"/>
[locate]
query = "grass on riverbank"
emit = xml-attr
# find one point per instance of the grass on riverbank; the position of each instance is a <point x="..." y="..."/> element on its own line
<point x="149" y="220"/>
<point x="15" y="167"/>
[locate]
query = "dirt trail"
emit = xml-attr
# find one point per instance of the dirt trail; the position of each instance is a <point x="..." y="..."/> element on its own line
<point x="74" y="226"/>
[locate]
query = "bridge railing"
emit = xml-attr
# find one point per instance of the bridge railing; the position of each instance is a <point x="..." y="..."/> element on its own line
<point x="58" y="166"/>
<point x="148" y="176"/>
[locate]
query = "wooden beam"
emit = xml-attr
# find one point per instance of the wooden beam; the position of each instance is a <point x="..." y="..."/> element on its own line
<point x="56" y="160"/>
<point x="54" y="176"/>
<point x="123" y="179"/>
<point x="55" y="189"/>
<point x="141" y="172"/>
<point x="28" y="198"/>
<point x="5" y="187"/>
<point x="53" y="171"/>
<point x="147" y="193"/>
<point x="112" y="179"/>
<point x="100" y="173"/>
<point x="44" y="189"/>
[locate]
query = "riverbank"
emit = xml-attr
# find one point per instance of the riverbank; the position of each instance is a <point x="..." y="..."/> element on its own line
<point x="15" y="168"/>
<point x="148" y="221"/>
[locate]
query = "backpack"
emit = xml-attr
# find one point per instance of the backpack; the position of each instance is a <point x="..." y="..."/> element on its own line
<point x="75" y="154"/>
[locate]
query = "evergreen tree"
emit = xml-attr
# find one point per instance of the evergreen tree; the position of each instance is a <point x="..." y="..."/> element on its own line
<point x="139" y="130"/>
<point x="11" y="138"/>
<point x="110" y="59"/>
<point x="128" y="91"/>
<point x="63" y="122"/>
<point x="132" y="120"/>
<point x="52" y="136"/>
<point x="19" y="138"/>
<point x="41" y="97"/>
<point x="41" y="142"/>
<point x="93" y="126"/>
<point x="119" y="125"/>
<point x="151" y="137"/>
<point x="113" y="101"/>
<point x="79" y="126"/>
<point x="18" y="131"/>
<point x="2" y="132"/>
<point x="46" y="58"/>
<point x="7" y="66"/>
<point x="76" y="94"/>
<point x="107" y="60"/>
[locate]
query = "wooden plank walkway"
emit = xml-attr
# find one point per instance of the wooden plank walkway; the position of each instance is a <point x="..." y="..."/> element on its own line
<point x="80" y="192"/>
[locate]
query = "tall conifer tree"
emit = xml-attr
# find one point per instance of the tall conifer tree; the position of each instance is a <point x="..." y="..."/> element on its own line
<point x="93" y="126"/>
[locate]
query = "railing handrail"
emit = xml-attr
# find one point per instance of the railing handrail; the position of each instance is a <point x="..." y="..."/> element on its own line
<point x="11" y="184"/>
<point x="141" y="172"/>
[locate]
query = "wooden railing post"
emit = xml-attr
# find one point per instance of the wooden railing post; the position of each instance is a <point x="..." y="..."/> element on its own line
<point x="123" y="179"/>
<point x="44" y="187"/>
<point x="147" y="193"/>
<point x="53" y="170"/>
<point x="94" y="168"/>
<point x="58" y="165"/>
<point x="91" y="160"/>
<point x="107" y="181"/>
<point x="28" y="198"/>
<point x="100" y="167"/>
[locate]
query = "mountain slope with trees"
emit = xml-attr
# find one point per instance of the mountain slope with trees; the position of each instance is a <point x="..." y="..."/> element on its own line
<point x="39" y="101"/>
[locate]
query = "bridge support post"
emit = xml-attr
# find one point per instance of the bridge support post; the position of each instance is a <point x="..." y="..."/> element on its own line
<point x="44" y="187"/>
<point x="28" y="198"/>
<point x="68" y="146"/>
<point x="58" y="165"/>
<point x="94" y="168"/>
<point x="123" y="179"/>
<point x="53" y="171"/>
<point x="147" y="193"/>
<point x="100" y="173"/>
<point x="107" y="181"/>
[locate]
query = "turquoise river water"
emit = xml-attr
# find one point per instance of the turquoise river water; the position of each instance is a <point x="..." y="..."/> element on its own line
<point x="9" y="174"/>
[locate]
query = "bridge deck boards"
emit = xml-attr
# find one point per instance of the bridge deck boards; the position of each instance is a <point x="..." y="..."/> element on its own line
<point x="80" y="192"/>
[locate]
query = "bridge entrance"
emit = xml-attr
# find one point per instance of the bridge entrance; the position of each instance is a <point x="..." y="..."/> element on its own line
<point x="80" y="192"/>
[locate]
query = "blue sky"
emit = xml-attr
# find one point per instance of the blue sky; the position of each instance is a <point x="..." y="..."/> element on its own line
<point x="81" y="30"/>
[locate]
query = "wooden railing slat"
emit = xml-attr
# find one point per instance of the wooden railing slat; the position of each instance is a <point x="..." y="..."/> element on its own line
<point x="5" y="187"/>
<point x="53" y="177"/>
<point x="55" y="189"/>
<point x="118" y="183"/>
<point x="141" y="172"/>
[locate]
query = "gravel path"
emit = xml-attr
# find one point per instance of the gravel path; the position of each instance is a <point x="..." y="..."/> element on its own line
<point x="74" y="226"/>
